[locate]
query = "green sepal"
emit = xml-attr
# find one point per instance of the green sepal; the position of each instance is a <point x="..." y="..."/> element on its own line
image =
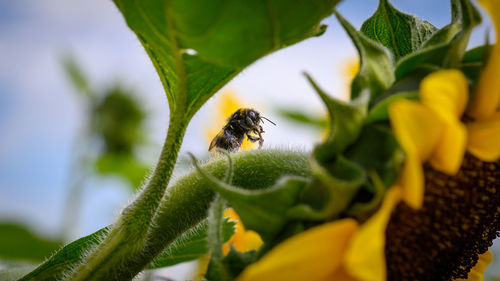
<point x="336" y="182"/>
<point x="346" y="119"/>
<point x="446" y="47"/>
<point x="473" y="62"/>
<point x="399" y="32"/>
<point x="260" y="210"/>
<point x="365" y="209"/>
<point x="376" y="63"/>
<point x="377" y="150"/>
<point x="379" y="111"/>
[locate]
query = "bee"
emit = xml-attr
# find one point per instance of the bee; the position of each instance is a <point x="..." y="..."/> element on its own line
<point x="240" y="124"/>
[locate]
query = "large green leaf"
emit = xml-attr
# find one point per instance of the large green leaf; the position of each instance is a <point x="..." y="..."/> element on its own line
<point x="20" y="243"/>
<point x="401" y="33"/>
<point x="66" y="258"/>
<point x="189" y="246"/>
<point x="198" y="45"/>
<point x="376" y="70"/>
<point x="445" y="48"/>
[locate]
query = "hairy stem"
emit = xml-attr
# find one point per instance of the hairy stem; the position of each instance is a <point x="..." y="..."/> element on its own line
<point x="216" y="239"/>
<point x="128" y="237"/>
<point x="186" y="202"/>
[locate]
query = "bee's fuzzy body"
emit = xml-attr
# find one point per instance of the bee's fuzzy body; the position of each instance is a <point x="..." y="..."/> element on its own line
<point x="241" y="123"/>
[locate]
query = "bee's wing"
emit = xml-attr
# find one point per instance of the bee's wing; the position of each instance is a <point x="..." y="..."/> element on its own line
<point x="214" y="140"/>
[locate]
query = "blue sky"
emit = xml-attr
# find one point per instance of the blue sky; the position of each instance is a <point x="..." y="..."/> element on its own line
<point x="40" y="115"/>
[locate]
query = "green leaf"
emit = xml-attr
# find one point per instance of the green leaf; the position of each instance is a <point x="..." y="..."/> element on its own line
<point x="17" y="242"/>
<point x="197" y="50"/>
<point x="67" y="257"/>
<point x="376" y="70"/>
<point x="300" y="117"/>
<point x="260" y="210"/>
<point x="190" y="246"/>
<point x="445" y="48"/>
<point x="346" y="119"/>
<point x="379" y="111"/>
<point x="125" y="166"/>
<point x="401" y="33"/>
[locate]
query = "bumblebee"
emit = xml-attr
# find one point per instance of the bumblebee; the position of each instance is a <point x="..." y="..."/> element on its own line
<point x="240" y="124"/>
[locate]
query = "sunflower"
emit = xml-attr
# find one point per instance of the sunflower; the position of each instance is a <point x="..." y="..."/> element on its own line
<point x="439" y="218"/>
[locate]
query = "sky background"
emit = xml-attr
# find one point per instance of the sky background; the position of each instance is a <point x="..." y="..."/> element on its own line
<point x="40" y="114"/>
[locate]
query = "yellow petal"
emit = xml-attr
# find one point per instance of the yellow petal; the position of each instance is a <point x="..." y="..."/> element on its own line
<point x="417" y="129"/>
<point x="365" y="256"/>
<point x="243" y="240"/>
<point x="483" y="139"/>
<point x="312" y="255"/>
<point x="477" y="272"/>
<point x="487" y="97"/>
<point x="450" y="150"/>
<point x="412" y="181"/>
<point x="445" y="92"/>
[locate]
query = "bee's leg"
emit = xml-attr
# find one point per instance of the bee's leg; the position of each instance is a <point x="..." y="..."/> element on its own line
<point x="252" y="138"/>
<point x="261" y="140"/>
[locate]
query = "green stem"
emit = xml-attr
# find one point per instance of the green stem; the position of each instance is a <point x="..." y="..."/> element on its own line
<point x="216" y="240"/>
<point x="187" y="201"/>
<point x="124" y="244"/>
<point x="184" y="205"/>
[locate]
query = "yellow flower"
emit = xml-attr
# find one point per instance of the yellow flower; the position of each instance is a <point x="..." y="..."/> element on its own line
<point x="431" y="130"/>
<point x="350" y="68"/>
<point x="339" y="250"/>
<point x="227" y="103"/>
